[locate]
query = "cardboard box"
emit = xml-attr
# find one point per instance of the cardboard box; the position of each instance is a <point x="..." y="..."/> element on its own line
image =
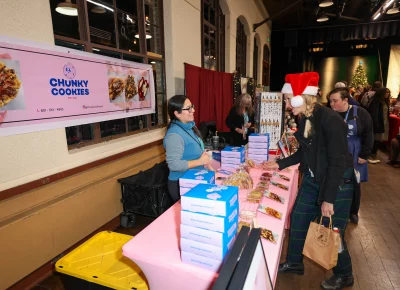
<point x="256" y="137"/>
<point x="183" y="190"/>
<point x="192" y="177"/>
<point x="234" y="152"/>
<point x="201" y="262"/>
<point x="209" y="222"/>
<point x="258" y="145"/>
<point x="258" y="151"/>
<point x="229" y="167"/>
<point x="216" y="156"/>
<point x="206" y="250"/>
<point x="228" y="160"/>
<point x="208" y="237"/>
<point x="212" y="199"/>
<point x="258" y="157"/>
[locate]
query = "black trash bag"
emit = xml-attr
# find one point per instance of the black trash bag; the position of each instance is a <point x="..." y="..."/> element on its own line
<point x="146" y="193"/>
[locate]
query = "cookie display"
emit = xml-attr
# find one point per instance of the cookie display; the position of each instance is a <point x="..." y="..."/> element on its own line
<point x="270" y="211"/>
<point x="250" y="163"/>
<point x="115" y="87"/>
<point x="9" y="85"/>
<point x="241" y="224"/>
<point x="142" y="88"/>
<point x="274" y="196"/>
<point x="130" y="87"/>
<point x="280" y="185"/>
<point x="269" y="235"/>
<point x="281" y="176"/>
<point x="255" y="196"/>
<point x="241" y="179"/>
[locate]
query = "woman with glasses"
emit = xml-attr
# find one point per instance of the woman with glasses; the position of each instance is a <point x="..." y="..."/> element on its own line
<point x="240" y="119"/>
<point x="182" y="142"/>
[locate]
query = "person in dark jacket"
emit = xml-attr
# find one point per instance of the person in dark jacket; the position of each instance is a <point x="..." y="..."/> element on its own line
<point x="240" y="119"/>
<point x="360" y="137"/>
<point x="379" y="110"/>
<point x="328" y="179"/>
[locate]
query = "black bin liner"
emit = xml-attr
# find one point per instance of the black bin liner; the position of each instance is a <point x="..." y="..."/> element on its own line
<point x="146" y="193"/>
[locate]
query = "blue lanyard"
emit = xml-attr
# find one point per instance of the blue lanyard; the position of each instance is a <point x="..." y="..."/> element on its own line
<point x="347" y="114"/>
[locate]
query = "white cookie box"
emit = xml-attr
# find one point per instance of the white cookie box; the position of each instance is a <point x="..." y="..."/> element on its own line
<point x="201" y="262"/>
<point x="208" y="237"/>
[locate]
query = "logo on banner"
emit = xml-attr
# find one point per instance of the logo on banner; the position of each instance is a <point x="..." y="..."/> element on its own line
<point x="69" y="86"/>
<point x="69" y="70"/>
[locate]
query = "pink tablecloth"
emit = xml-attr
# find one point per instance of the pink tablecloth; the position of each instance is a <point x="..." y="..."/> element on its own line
<point x="156" y="249"/>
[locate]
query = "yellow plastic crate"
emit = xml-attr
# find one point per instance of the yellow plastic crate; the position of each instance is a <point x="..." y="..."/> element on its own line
<point x="100" y="261"/>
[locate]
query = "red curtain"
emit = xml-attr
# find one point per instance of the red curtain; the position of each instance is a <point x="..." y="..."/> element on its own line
<point x="192" y="85"/>
<point x="211" y="93"/>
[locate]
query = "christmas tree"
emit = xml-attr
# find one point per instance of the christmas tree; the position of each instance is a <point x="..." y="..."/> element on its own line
<point x="359" y="76"/>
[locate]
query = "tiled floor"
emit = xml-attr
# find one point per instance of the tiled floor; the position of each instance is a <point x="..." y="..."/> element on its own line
<point x="374" y="242"/>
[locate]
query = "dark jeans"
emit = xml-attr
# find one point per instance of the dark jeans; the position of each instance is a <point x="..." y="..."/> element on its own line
<point x="173" y="189"/>
<point x="306" y="209"/>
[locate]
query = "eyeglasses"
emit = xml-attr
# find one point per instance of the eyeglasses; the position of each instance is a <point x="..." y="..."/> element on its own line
<point x="190" y="108"/>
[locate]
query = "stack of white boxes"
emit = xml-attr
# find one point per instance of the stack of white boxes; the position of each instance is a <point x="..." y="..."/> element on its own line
<point x="258" y="147"/>
<point x="232" y="157"/>
<point x="192" y="177"/>
<point x="209" y="222"/>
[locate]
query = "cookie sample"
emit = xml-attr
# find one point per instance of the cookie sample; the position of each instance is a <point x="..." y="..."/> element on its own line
<point x="115" y="88"/>
<point x="269" y="235"/>
<point x="270" y="211"/>
<point x="130" y="88"/>
<point x="142" y="88"/>
<point x="9" y="84"/>
<point x="274" y="197"/>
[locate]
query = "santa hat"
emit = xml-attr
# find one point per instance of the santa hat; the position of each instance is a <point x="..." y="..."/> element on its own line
<point x="298" y="84"/>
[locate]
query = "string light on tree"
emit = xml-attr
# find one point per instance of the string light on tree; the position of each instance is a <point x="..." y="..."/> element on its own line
<point x="359" y="76"/>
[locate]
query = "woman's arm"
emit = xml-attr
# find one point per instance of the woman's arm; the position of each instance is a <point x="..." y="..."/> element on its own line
<point x="174" y="147"/>
<point x="291" y="160"/>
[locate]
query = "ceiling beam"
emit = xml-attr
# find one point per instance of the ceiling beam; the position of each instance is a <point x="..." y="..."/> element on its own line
<point x="256" y="25"/>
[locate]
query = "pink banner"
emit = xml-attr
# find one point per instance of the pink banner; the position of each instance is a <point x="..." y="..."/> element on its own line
<point x="51" y="87"/>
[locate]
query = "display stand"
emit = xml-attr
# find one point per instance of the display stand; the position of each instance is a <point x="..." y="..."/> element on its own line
<point x="269" y="116"/>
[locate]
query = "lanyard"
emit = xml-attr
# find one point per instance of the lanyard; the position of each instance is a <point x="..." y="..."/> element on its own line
<point x="347" y="114"/>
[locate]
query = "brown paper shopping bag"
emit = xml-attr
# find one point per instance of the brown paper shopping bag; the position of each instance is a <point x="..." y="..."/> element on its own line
<point x="322" y="244"/>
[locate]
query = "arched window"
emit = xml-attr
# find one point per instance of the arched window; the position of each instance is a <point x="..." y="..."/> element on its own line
<point x="255" y="61"/>
<point x="265" y="80"/>
<point x="241" y="43"/>
<point x="213" y="36"/>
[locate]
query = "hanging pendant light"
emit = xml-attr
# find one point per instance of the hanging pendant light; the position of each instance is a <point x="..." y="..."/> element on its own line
<point x="322" y="18"/>
<point x="67" y="8"/>
<point x="394" y="9"/>
<point x="325" y="3"/>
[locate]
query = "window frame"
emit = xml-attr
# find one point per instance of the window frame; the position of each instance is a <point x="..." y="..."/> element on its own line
<point x="241" y="49"/>
<point x="219" y="34"/>
<point x="255" y="61"/>
<point x="146" y="56"/>
<point x="266" y="66"/>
